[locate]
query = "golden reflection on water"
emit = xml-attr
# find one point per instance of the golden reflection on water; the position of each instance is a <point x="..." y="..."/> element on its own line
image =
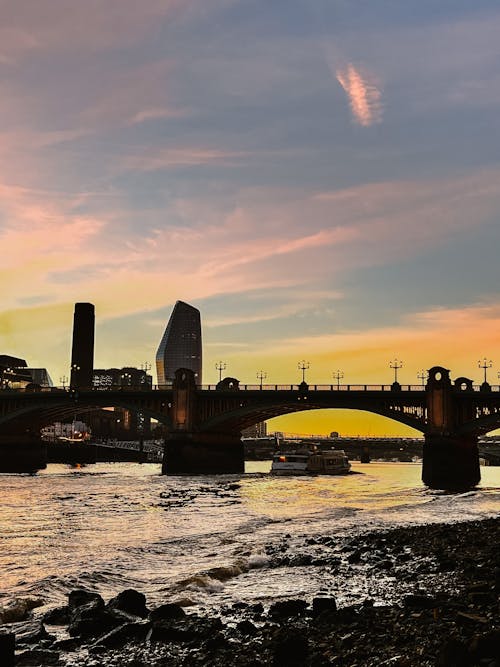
<point x="366" y="488"/>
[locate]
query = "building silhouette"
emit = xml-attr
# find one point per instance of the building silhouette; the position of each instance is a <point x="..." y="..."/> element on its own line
<point x="82" y="351"/>
<point x="180" y="346"/>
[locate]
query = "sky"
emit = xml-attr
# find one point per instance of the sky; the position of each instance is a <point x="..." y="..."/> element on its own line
<point x="321" y="178"/>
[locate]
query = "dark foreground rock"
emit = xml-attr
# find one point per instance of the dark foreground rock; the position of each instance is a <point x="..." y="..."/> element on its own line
<point x="427" y="625"/>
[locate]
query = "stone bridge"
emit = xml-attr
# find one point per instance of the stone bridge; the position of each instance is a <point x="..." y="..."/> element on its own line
<point x="205" y="423"/>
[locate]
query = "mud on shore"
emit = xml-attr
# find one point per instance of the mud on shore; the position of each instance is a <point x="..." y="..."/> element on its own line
<point x="442" y="610"/>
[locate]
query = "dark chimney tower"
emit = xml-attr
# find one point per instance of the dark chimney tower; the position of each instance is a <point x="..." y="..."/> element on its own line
<point x="82" y="352"/>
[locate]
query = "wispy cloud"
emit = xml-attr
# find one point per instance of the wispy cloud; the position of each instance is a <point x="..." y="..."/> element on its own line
<point x="364" y="95"/>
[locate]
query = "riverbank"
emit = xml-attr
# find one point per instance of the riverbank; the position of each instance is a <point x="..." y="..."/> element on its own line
<point x="435" y="603"/>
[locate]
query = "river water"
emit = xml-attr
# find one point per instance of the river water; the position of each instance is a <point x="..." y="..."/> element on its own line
<point x="202" y="540"/>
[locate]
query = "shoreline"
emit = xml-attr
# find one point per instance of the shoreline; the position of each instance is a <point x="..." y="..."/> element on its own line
<point x="441" y="583"/>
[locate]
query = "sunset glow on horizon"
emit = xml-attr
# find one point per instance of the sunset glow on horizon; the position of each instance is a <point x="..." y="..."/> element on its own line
<point x="322" y="183"/>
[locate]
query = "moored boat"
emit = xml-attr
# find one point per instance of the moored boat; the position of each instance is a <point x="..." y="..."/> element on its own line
<point x="307" y="462"/>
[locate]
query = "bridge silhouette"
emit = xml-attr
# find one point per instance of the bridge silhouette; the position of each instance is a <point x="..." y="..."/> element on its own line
<point x="204" y="423"/>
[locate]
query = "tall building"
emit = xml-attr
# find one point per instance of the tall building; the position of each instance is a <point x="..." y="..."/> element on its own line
<point x="82" y="351"/>
<point x="180" y="346"/>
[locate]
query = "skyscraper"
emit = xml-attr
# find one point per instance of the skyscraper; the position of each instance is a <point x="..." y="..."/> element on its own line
<point x="82" y="352"/>
<point x="180" y="346"/>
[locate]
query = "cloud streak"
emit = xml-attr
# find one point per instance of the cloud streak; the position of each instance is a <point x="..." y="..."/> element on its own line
<point x="365" y="98"/>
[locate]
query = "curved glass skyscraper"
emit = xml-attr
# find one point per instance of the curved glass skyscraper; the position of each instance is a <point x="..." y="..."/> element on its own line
<point x="180" y="346"/>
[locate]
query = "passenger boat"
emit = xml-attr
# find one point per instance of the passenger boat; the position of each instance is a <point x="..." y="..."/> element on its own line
<point x="307" y="462"/>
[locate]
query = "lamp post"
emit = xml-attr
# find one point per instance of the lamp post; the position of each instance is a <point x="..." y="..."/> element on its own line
<point x="303" y="366"/>
<point x="63" y="379"/>
<point x="485" y="364"/>
<point x="423" y="375"/>
<point x="261" y="375"/>
<point x="338" y="375"/>
<point x="220" y="366"/>
<point x="396" y="365"/>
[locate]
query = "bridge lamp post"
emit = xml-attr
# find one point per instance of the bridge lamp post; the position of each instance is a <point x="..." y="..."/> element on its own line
<point x="485" y="365"/>
<point x="261" y="375"/>
<point x="396" y="365"/>
<point x="220" y="366"/>
<point x="63" y="379"/>
<point x="338" y="375"/>
<point x="303" y="366"/>
<point x="423" y="375"/>
<point x="126" y="379"/>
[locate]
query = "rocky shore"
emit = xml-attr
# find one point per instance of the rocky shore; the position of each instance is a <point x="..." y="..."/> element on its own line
<point x="441" y="609"/>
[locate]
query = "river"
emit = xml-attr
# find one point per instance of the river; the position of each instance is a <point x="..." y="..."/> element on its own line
<point x="203" y="540"/>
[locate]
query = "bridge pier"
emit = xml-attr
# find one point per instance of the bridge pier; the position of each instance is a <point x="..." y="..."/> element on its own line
<point x="203" y="454"/>
<point x="22" y="453"/>
<point x="450" y="462"/>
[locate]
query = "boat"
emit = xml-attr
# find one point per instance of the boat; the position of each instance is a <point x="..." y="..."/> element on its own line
<point x="311" y="462"/>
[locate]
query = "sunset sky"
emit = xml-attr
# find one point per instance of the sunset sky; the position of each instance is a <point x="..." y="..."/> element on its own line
<point x="321" y="178"/>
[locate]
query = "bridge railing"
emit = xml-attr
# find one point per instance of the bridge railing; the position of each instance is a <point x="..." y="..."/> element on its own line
<point x="317" y="387"/>
<point x="244" y="387"/>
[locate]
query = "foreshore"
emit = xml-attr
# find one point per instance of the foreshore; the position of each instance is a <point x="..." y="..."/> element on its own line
<point x="441" y="609"/>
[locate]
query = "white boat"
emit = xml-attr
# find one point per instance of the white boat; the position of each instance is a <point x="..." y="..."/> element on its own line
<point x="306" y="462"/>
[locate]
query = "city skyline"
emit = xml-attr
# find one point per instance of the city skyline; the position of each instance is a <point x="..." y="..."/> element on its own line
<point x="321" y="181"/>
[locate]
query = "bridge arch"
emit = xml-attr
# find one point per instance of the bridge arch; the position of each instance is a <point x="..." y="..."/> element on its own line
<point x="244" y="416"/>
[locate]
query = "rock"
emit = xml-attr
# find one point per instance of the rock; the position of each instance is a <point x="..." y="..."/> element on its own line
<point x="80" y="597"/>
<point x="323" y="603"/>
<point x="286" y="608"/>
<point x="7" y="649"/>
<point x="57" y="616"/>
<point x="355" y="556"/>
<point x="37" y="657"/>
<point x="131" y="602"/>
<point x="453" y="652"/>
<point x="124" y="633"/>
<point x="190" y="628"/>
<point x="166" y="612"/>
<point x="92" y="620"/>
<point x="18" y="609"/>
<point x="246" y="627"/>
<point x="486" y="645"/>
<point x="290" y="650"/>
<point x="31" y="632"/>
<point x="420" y="602"/>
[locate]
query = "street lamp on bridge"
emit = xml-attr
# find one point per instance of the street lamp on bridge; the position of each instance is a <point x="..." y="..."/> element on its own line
<point x="303" y="366"/>
<point x="63" y="379"/>
<point x="261" y="375"/>
<point x="485" y="364"/>
<point x="396" y="365"/>
<point x="338" y="375"/>
<point x="220" y="366"/>
<point x="423" y="375"/>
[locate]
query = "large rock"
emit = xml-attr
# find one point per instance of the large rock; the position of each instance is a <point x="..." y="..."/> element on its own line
<point x="190" y="628"/>
<point x="92" y="620"/>
<point x="80" y="597"/>
<point x="166" y="612"/>
<point x="287" y="608"/>
<point x="131" y="602"/>
<point x="57" y="616"/>
<point x="124" y="633"/>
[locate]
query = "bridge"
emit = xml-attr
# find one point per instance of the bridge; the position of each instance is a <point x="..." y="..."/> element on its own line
<point x="204" y="423"/>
